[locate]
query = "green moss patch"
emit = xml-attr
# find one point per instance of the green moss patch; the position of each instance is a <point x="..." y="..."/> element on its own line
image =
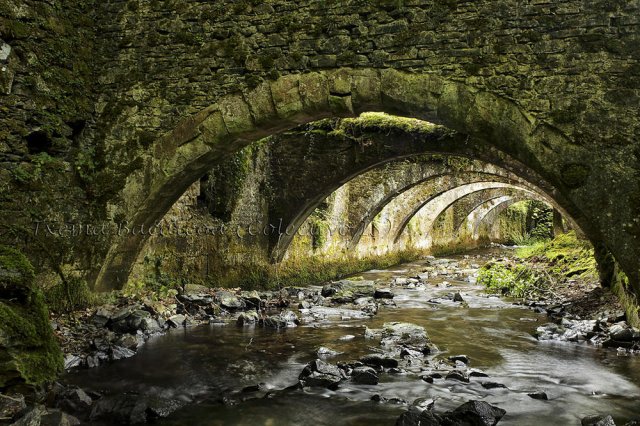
<point x="29" y="352"/>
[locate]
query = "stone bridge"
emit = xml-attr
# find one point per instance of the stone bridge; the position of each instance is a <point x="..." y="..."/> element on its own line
<point x="140" y="99"/>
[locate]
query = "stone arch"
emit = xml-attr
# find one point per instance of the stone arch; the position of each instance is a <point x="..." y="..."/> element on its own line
<point x="487" y="122"/>
<point x="492" y="213"/>
<point x="463" y="176"/>
<point x="435" y="205"/>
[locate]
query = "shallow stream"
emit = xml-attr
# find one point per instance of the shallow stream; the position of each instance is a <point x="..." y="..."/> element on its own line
<point x="203" y="368"/>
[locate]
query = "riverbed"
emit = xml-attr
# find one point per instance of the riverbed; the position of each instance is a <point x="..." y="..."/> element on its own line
<point x="222" y="374"/>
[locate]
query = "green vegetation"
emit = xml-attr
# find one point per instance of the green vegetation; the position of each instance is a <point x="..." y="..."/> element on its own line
<point x="29" y="352"/>
<point x="310" y="271"/>
<point x="70" y="295"/>
<point x="512" y="280"/>
<point x="567" y="255"/>
<point x="540" y="266"/>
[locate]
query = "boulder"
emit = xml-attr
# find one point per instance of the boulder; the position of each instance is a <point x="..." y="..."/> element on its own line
<point x="321" y="374"/>
<point x="119" y="352"/>
<point x="177" y="321"/>
<point x="478" y="413"/>
<point x="364" y="376"/>
<point x="229" y="301"/>
<point x="325" y="352"/>
<point x="377" y="360"/>
<point x="538" y="395"/>
<point x="74" y="400"/>
<point x="401" y="334"/>
<point x="598" y="420"/>
<point x="248" y="318"/>
<point x="121" y="409"/>
<point x="285" y="319"/>
<point x="383" y="293"/>
<point x="346" y="291"/>
<point x="461" y="358"/>
<point x="417" y="417"/>
<point x="458" y="375"/>
<point x="621" y="332"/>
<point x="41" y="416"/>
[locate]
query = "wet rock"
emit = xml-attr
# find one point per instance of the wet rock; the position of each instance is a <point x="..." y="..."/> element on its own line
<point x="101" y="317"/>
<point x="96" y="359"/>
<point x="252" y="299"/>
<point x="492" y="385"/>
<point x="474" y="372"/>
<point x="158" y="407"/>
<point x="119" y="352"/>
<point x="598" y="420"/>
<point x="132" y="320"/>
<point x="377" y="360"/>
<point x="248" y="318"/>
<point x="121" y="409"/>
<point x="458" y="375"/>
<point x="41" y="416"/>
<point x="58" y="418"/>
<point x="424" y="403"/>
<point x="457" y="297"/>
<point x="325" y="352"/>
<point x="304" y="305"/>
<point x="402" y="334"/>
<point x="176" y="321"/>
<point x="478" y="413"/>
<point x="321" y="374"/>
<point x="407" y="353"/>
<point x="72" y="361"/>
<point x="621" y="332"/>
<point x="462" y="358"/>
<point x="319" y="313"/>
<point x="229" y="301"/>
<point x="418" y="417"/>
<point x="285" y="319"/>
<point x="150" y="325"/>
<point x="130" y="341"/>
<point x="364" y="376"/>
<point x="347" y="291"/>
<point x="383" y="293"/>
<point x="568" y="330"/>
<point x="538" y="395"/>
<point x="11" y="405"/>
<point x="74" y="400"/>
<point x="380" y="398"/>
<point x="399" y="281"/>
<point x="372" y="333"/>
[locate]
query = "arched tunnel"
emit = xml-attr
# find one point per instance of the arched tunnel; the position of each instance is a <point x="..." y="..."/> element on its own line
<point x="393" y="171"/>
<point x="319" y="212"/>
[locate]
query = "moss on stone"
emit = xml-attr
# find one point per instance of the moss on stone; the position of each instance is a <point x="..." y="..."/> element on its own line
<point x="29" y="352"/>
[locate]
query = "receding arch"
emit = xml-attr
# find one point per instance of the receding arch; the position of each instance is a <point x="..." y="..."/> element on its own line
<point x="487" y="122"/>
<point x="435" y="205"/>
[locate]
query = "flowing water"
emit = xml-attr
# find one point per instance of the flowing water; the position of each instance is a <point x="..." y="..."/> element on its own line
<point x="204" y="367"/>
